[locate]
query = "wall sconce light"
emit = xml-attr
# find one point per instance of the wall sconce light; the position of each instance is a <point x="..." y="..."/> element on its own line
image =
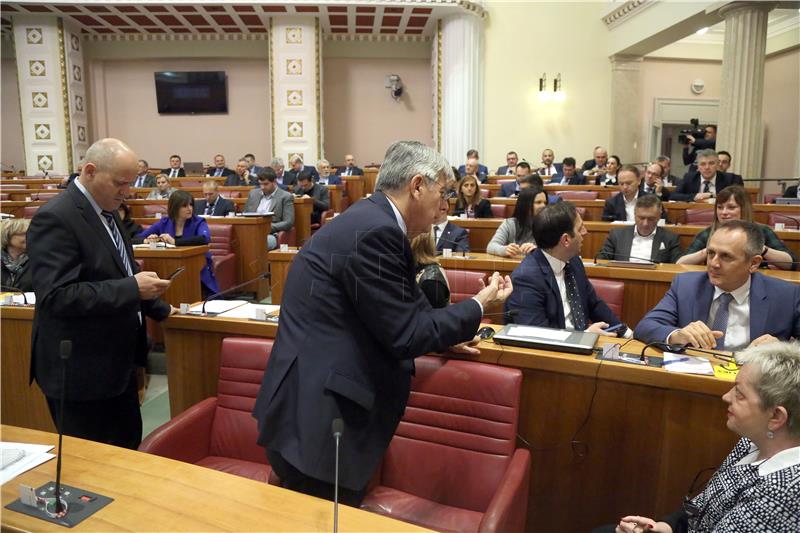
<point x="558" y="92"/>
<point x="544" y="94"/>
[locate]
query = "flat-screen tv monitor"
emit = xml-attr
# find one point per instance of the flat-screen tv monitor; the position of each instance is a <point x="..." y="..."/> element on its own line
<point x="191" y="92"/>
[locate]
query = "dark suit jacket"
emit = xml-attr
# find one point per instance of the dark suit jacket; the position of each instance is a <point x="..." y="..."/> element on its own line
<point x="559" y="169"/>
<point x="509" y="189"/>
<point x="234" y="180"/>
<point x="589" y="164"/>
<point x="351" y="290"/>
<point x="149" y="181"/>
<point x="734" y="179"/>
<point x="83" y="293"/>
<point x="575" y="179"/>
<point x="322" y="201"/>
<point x="356" y="171"/>
<point x="691" y="185"/>
<point x="290" y="176"/>
<point x="503" y="171"/>
<point x="482" y="169"/>
<point x="614" y="208"/>
<point x="222" y="207"/>
<point x="666" y="246"/>
<point x="454" y="237"/>
<point x="537" y="300"/>
<point x="333" y="179"/>
<point x="790" y="192"/>
<point x="774" y="307"/>
<point x="181" y="172"/>
<point x="482" y="210"/>
<point x="212" y="171"/>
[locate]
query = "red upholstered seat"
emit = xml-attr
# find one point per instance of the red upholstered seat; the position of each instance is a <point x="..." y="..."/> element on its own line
<point x="498" y="210"/>
<point x="789" y="220"/>
<point x="3" y="196"/>
<point x="612" y="292"/>
<point x="219" y="432"/>
<point x="288" y="237"/>
<point x="463" y="284"/>
<point x="452" y="464"/>
<point x="152" y="209"/>
<point x="222" y="256"/>
<point x="230" y="194"/>
<point x="578" y="195"/>
<point x="322" y="219"/>
<point x="701" y="217"/>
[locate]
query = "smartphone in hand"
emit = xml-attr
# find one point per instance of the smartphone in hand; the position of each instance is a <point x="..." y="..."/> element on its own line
<point x="177" y="273"/>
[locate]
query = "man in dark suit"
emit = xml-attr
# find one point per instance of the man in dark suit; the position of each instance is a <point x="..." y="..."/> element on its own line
<point x="219" y="170"/>
<point x="693" y="147"/>
<point x="175" y="169"/>
<point x="731" y="305"/>
<point x="621" y="205"/>
<point x="481" y="169"/>
<point x="449" y="235"/>
<point x="306" y="188"/>
<point x="653" y="182"/>
<point x="326" y="177"/>
<point x="568" y="175"/>
<point x="550" y="285"/>
<point x="644" y="241"/>
<point x="549" y="168"/>
<point x="595" y="167"/>
<point x="725" y="164"/>
<point x="670" y="180"/>
<point x="512" y="188"/>
<point x="472" y="168"/>
<point x="241" y="175"/>
<point x="88" y="290"/>
<point x="143" y="179"/>
<point x="511" y="165"/>
<point x="253" y="169"/>
<point x="213" y="205"/>
<point x="352" y="321"/>
<point x="296" y="162"/>
<point x="350" y="168"/>
<point x="703" y="184"/>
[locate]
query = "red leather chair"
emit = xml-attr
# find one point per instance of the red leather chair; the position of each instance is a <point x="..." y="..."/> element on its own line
<point x="222" y="256"/>
<point x="219" y="432"/>
<point x="789" y="220"/>
<point x="770" y="197"/>
<point x="452" y="463"/>
<point x="189" y="183"/>
<point x="288" y="237"/>
<point x="3" y="196"/>
<point x="578" y="195"/>
<point x="230" y="194"/>
<point x="463" y="284"/>
<point x="29" y="210"/>
<point x="700" y="217"/>
<point x="612" y="292"/>
<point x="322" y="218"/>
<point x="498" y="210"/>
<point x="484" y="193"/>
<point x="151" y="209"/>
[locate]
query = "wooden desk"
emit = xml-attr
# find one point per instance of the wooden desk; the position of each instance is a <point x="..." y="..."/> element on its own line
<point x="17" y="208"/>
<point x="370" y="177"/>
<point x="354" y="185"/>
<point x="141" y="193"/>
<point x="302" y="219"/>
<point x="21" y="195"/>
<point x="336" y="193"/>
<point x="164" y="261"/>
<point x="30" y="183"/>
<point x="152" y="493"/>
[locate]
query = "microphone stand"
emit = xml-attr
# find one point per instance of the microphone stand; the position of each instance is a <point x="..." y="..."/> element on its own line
<point x="265" y="275"/>
<point x="16" y="290"/>
<point x="65" y="350"/>
<point x="337" y="428"/>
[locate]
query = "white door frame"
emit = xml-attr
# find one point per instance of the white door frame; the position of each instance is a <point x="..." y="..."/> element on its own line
<point x="678" y="111"/>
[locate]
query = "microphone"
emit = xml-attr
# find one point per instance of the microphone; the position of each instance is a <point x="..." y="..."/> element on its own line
<point x="265" y="275"/>
<point x="683" y="348"/>
<point x="454" y="243"/>
<point x="794" y="220"/>
<point x="16" y="290"/>
<point x="337" y="428"/>
<point x="629" y="257"/>
<point x="65" y="351"/>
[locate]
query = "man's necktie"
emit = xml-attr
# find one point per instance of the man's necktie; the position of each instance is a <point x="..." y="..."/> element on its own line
<point x="218" y="173"/>
<point x="209" y="208"/>
<point x="707" y="187"/>
<point x="435" y="236"/>
<point x="578" y="317"/>
<point x="138" y="181"/>
<point x="119" y="244"/>
<point x="721" y="319"/>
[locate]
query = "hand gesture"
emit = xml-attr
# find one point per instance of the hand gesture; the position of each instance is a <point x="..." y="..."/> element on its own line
<point x="150" y="286"/>
<point x="512" y="250"/>
<point x="167" y="238"/>
<point x="696" y="334"/>
<point x="497" y="291"/>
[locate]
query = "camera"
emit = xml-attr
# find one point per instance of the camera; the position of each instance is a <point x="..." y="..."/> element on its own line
<point x="695" y="131"/>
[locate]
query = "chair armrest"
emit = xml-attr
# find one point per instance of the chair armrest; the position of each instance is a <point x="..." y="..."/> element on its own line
<point x="508" y="510"/>
<point x="225" y="270"/>
<point x="185" y="437"/>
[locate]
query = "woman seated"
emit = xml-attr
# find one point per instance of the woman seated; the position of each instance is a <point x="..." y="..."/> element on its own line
<point x="757" y="488"/>
<point x="16" y="272"/>
<point x="129" y="226"/>
<point x="430" y="276"/>
<point x="733" y="203"/>
<point x="181" y="228"/>
<point x="610" y="177"/>
<point x="515" y="234"/>
<point x="163" y="188"/>
<point x="469" y="200"/>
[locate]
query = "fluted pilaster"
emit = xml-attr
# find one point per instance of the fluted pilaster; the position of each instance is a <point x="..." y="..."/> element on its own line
<point x="626" y="128"/>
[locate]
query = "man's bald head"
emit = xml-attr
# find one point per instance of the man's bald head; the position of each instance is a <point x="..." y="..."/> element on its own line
<point x="109" y="168"/>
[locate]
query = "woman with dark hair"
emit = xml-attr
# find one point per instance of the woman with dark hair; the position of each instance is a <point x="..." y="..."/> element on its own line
<point x="181" y="228"/>
<point x="430" y="276"/>
<point x="733" y="203"/>
<point x="515" y="234"/>
<point x="470" y="201"/>
<point x="610" y="177"/>
<point x="128" y="224"/>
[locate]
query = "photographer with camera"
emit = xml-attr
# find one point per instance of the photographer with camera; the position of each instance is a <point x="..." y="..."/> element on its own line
<point x="695" y="139"/>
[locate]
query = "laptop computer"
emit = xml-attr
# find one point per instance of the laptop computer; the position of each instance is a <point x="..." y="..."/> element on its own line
<point x="787" y="201"/>
<point x="560" y="340"/>
<point x="194" y="169"/>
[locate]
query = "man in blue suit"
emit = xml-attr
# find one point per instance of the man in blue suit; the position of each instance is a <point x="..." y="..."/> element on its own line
<point x="512" y="188"/>
<point x="550" y="285"/>
<point x="511" y="165"/>
<point x="482" y="170"/>
<point x="705" y="183"/>
<point x="731" y="305"/>
<point x="568" y="174"/>
<point x="449" y="235"/>
<point x="352" y="321"/>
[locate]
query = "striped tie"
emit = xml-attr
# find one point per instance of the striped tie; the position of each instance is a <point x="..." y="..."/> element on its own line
<point x="119" y="244"/>
<point x="721" y="319"/>
<point x="574" y="299"/>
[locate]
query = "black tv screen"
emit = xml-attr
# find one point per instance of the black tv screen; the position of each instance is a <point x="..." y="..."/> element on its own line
<point x="191" y="92"/>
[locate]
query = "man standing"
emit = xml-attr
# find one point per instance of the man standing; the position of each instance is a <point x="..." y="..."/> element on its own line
<point x="143" y="178"/>
<point x="269" y="198"/>
<point x="644" y="242"/>
<point x="621" y="206"/>
<point x="175" y="169"/>
<point x="511" y="163"/>
<point x="213" y="205"/>
<point x="219" y="170"/>
<point x="705" y="183"/>
<point x="88" y="291"/>
<point x="352" y="321"/>
<point x="693" y="146"/>
<point x="350" y="168"/>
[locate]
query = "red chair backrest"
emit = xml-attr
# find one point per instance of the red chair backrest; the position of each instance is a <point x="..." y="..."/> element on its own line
<point x="770" y="197"/>
<point x="463" y="284"/>
<point x="498" y="210"/>
<point x="702" y="217"/>
<point x="43" y="196"/>
<point x="29" y="210"/>
<point x="221" y="237"/>
<point x="230" y="194"/>
<point x="3" y="196"/>
<point x="789" y="220"/>
<point x="234" y="431"/>
<point x="288" y="237"/>
<point x="578" y="195"/>
<point x="484" y="193"/>
<point x="460" y="422"/>
<point x="152" y="209"/>
<point x="191" y="183"/>
<point x="612" y="292"/>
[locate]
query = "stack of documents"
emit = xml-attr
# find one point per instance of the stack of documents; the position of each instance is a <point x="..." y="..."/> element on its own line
<point x="18" y="458"/>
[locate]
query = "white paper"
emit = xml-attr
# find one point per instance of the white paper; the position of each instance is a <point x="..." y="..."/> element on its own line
<point x="217" y="306"/>
<point x="19" y="300"/>
<point x="623" y="222"/>
<point x="248" y="311"/>
<point x="539" y="333"/>
<point x="14" y="464"/>
<point x="146" y="245"/>
<point x="685" y="364"/>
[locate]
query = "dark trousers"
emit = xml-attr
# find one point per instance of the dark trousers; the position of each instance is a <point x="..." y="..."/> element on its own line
<point x="293" y="479"/>
<point x="116" y="421"/>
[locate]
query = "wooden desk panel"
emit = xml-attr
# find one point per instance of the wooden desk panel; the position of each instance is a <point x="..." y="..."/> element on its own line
<point x="336" y="193"/>
<point x="30" y="183"/>
<point x="355" y="188"/>
<point x="302" y="219"/>
<point x="370" y="177"/>
<point x="250" y="246"/>
<point x="164" y="261"/>
<point x="153" y="493"/>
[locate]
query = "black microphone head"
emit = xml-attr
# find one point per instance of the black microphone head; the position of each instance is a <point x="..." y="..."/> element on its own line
<point x="266" y="275"/>
<point x="511" y="312"/>
<point x="65" y="349"/>
<point x="337" y="427"/>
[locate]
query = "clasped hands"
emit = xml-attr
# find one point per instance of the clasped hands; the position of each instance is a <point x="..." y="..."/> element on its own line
<point x="496" y="292"/>
<point x="164" y="237"/>
<point x="515" y="249"/>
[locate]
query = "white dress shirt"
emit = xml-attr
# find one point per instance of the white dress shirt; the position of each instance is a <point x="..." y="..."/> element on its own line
<point x="173" y="173"/>
<point x="558" y="269"/>
<point x="265" y="205"/>
<point x="139" y="183"/>
<point x="548" y="171"/>
<point x="630" y="207"/>
<point x="737" y="335"/>
<point x="641" y="247"/>
<point x="437" y="235"/>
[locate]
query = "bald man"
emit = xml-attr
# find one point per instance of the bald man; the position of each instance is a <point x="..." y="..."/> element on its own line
<point x="89" y="290"/>
<point x="349" y="168"/>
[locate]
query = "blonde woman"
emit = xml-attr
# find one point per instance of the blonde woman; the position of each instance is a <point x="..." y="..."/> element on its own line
<point x="163" y="189"/>
<point x="16" y="271"/>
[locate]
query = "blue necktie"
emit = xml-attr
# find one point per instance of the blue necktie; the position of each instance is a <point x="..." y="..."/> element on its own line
<point x="119" y="243"/>
<point x="721" y="319"/>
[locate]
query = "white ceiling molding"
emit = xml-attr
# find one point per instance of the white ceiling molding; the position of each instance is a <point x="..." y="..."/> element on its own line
<point x="627" y="10"/>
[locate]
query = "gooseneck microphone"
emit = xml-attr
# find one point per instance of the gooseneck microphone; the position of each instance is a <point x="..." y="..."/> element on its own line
<point x="337" y="428"/>
<point x="627" y="258"/>
<point x="65" y="351"/>
<point x="265" y="275"/>
<point x="15" y="290"/>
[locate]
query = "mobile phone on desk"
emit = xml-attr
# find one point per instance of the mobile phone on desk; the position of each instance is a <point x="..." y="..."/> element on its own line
<point x="178" y="272"/>
<point x="617" y="329"/>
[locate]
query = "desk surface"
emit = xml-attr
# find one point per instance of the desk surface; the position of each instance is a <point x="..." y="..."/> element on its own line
<point x="152" y="493"/>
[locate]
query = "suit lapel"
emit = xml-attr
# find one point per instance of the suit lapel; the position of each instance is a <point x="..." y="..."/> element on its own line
<point x="656" y="250"/>
<point x="702" y="304"/>
<point x="625" y="245"/>
<point x="759" y="306"/>
<point x="550" y="278"/>
<point x="91" y="218"/>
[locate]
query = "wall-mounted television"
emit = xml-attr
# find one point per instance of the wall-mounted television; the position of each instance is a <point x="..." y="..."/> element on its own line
<point x="191" y="92"/>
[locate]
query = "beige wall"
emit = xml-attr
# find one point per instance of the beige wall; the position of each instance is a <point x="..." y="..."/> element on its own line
<point x="123" y="105"/>
<point x="13" y="149"/>
<point x="522" y="41"/>
<point x="360" y="115"/>
<point x="782" y="115"/>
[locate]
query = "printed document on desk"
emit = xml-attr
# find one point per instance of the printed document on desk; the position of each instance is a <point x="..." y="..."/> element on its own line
<point x="18" y="458"/>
